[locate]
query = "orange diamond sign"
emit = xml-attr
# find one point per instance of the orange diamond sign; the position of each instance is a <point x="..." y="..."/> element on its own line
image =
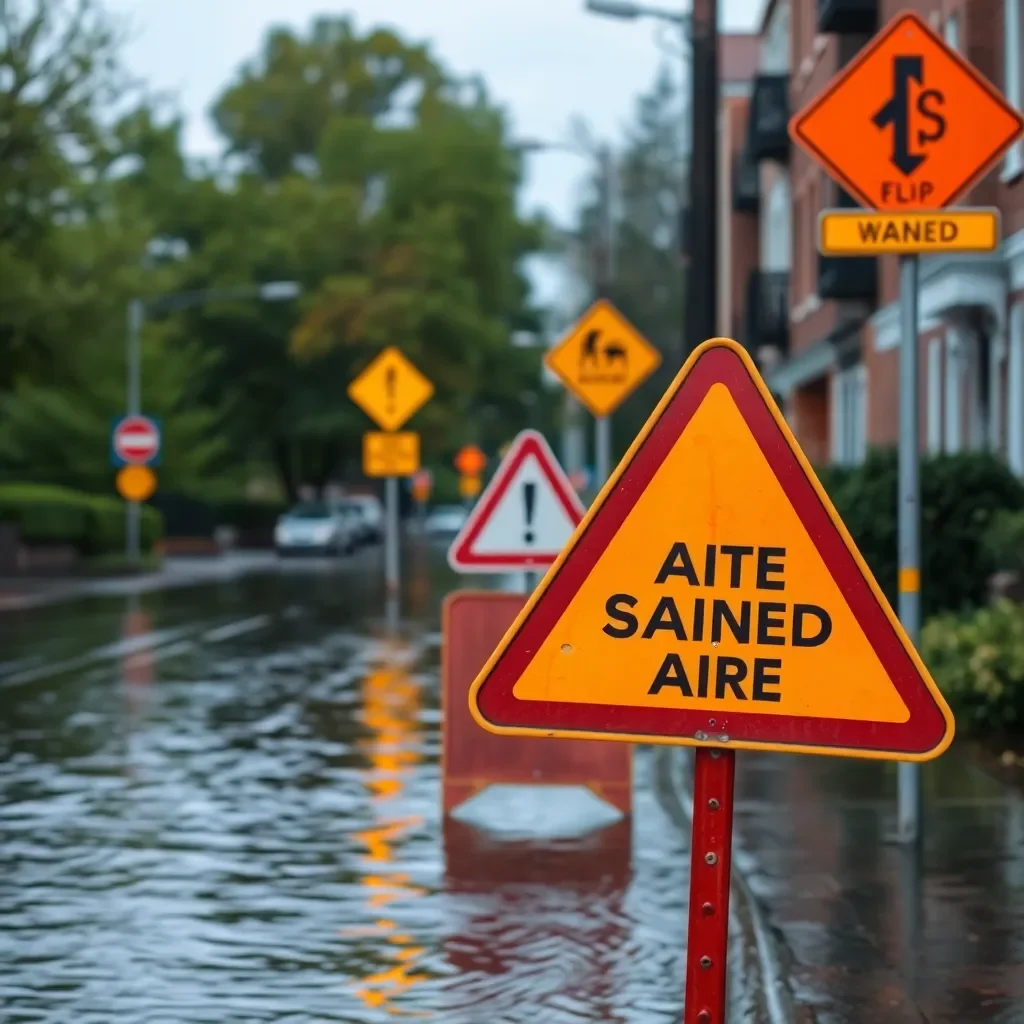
<point x="908" y="124"/>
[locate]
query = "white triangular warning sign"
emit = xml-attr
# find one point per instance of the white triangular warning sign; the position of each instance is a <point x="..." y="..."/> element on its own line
<point x="525" y="515"/>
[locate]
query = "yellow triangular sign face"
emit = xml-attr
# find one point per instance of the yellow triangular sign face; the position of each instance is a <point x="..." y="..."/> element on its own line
<point x="713" y="596"/>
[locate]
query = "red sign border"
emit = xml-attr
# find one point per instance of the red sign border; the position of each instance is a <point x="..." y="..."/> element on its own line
<point x="720" y="361"/>
<point x="526" y="443"/>
<point x="841" y="81"/>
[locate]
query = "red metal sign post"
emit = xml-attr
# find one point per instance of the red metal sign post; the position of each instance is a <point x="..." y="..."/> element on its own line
<point x="707" y="941"/>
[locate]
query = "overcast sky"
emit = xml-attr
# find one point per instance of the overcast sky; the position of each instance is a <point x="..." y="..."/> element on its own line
<point x="546" y="61"/>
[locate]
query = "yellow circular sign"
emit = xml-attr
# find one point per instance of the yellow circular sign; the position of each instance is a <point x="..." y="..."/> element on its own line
<point x="470" y="486"/>
<point x="136" y="483"/>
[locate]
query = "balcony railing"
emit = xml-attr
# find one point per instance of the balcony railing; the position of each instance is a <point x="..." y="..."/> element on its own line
<point x="767" y="310"/>
<point x="767" y="135"/>
<point x="746" y="184"/>
<point x="848" y="17"/>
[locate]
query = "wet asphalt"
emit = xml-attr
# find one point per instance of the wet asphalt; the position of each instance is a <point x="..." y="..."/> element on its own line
<point x="220" y="803"/>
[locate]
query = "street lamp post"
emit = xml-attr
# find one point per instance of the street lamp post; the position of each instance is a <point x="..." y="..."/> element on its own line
<point x="701" y="125"/>
<point x="603" y="277"/>
<point x="272" y="291"/>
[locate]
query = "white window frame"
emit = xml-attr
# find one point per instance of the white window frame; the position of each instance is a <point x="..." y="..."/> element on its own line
<point x="951" y="32"/>
<point x="933" y="393"/>
<point x="776" y="227"/>
<point x="1013" y="162"/>
<point x="952" y="432"/>
<point x="1015" y="391"/>
<point x="849" y="401"/>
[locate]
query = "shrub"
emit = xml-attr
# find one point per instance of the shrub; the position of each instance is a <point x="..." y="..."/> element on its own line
<point x="92" y="524"/>
<point x="1004" y="541"/>
<point x="978" y="662"/>
<point x="960" y="497"/>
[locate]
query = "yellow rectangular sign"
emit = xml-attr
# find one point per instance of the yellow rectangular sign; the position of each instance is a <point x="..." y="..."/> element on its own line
<point x="391" y="454"/>
<point x="865" y="233"/>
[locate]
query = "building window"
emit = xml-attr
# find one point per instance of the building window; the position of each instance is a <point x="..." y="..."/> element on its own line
<point x="951" y="32"/>
<point x="1013" y="162"/>
<point x="952" y="435"/>
<point x="849" y="415"/>
<point x="1015" y="391"/>
<point x="775" y="240"/>
<point x="933" y="412"/>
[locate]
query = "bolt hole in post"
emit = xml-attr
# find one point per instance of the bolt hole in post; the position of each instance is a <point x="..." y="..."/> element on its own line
<point x="710" y="868"/>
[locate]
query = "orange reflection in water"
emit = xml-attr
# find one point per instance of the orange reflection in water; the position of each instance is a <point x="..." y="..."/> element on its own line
<point x="391" y="704"/>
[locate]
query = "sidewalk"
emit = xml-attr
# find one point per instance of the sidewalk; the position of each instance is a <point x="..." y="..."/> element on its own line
<point x="867" y="931"/>
<point x="27" y="592"/>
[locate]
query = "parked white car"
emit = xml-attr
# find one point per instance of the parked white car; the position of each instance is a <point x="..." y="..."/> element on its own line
<point x="315" y="528"/>
<point x="445" y="521"/>
<point x="371" y="516"/>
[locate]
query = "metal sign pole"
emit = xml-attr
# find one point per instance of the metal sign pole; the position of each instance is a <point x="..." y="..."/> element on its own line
<point x="707" y="940"/>
<point x="133" y="515"/>
<point x="602" y="450"/>
<point x="908" y="828"/>
<point x="391" y="564"/>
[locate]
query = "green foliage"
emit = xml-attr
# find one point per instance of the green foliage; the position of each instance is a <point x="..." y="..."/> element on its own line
<point x="46" y="514"/>
<point x="960" y="496"/>
<point x="1004" y="541"/>
<point x="978" y="662"/>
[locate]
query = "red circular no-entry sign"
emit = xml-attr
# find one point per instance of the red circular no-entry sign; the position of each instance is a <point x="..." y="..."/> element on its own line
<point x="137" y="440"/>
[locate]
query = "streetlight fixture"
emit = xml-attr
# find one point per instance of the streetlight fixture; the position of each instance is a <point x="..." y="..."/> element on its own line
<point x="271" y="291"/>
<point x="700" y="26"/>
<point x="630" y="12"/>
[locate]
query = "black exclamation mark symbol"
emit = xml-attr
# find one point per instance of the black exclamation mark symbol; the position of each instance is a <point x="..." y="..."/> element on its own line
<point x="390" y="380"/>
<point x="529" y="496"/>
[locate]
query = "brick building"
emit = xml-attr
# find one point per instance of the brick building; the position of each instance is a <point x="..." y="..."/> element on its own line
<point x="825" y="330"/>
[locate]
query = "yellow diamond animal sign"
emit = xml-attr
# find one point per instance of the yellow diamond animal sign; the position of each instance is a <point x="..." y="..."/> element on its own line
<point x="603" y="359"/>
<point x="390" y="389"/>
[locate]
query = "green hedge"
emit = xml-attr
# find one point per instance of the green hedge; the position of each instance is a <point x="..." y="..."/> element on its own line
<point x="93" y="524"/>
<point x="978" y="662"/>
<point x="961" y="495"/>
<point x="1004" y="541"/>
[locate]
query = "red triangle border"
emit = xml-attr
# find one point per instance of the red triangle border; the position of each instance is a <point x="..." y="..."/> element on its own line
<point x="926" y="728"/>
<point x="526" y="443"/>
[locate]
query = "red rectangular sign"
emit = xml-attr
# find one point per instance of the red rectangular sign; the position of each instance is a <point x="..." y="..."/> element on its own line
<point x="473" y="622"/>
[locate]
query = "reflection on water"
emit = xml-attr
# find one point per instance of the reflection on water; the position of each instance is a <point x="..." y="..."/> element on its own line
<point x="223" y="808"/>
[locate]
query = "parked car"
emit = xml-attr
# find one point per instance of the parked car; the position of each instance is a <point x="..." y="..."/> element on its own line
<point x="315" y="528"/>
<point x="445" y="521"/>
<point x="371" y="513"/>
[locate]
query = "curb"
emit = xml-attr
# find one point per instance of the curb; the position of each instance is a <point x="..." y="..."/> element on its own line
<point x="758" y="954"/>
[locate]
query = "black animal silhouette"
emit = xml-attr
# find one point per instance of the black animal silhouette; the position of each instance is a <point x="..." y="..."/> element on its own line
<point x="588" y="350"/>
<point x="615" y="354"/>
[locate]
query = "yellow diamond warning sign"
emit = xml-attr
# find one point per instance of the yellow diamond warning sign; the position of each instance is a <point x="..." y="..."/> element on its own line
<point x="603" y="359"/>
<point x="390" y="389"/>
<point x="712" y="596"/>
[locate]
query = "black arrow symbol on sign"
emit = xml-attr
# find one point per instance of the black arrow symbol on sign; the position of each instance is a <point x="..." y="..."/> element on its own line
<point x="897" y="112"/>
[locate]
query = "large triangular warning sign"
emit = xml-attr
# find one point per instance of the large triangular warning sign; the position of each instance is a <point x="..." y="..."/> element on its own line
<point x="712" y="596"/>
<point x="525" y="515"/>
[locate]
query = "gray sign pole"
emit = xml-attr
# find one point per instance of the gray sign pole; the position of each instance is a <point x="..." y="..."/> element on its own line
<point x="908" y="829"/>
<point x="602" y="450"/>
<point x="391" y="539"/>
<point x="133" y="514"/>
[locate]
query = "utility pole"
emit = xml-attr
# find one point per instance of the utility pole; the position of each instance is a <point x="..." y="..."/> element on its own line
<point x="604" y="276"/>
<point x="700" y="298"/>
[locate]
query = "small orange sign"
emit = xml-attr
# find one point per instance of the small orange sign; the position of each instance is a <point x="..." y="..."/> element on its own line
<point x="470" y="461"/>
<point x="470" y="486"/>
<point x="712" y="596"/>
<point x="908" y="124"/>
<point x="136" y="483"/>
<point x="390" y="454"/>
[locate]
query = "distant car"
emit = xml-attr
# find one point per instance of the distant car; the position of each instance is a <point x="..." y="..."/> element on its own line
<point x="445" y="521"/>
<point x="371" y="514"/>
<point x="315" y="528"/>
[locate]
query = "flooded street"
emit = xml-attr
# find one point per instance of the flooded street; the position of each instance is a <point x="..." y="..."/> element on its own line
<point x="221" y="804"/>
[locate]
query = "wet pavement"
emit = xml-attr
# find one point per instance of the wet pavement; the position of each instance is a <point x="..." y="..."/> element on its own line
<point x="221" y="804"/>
<point x="868" y="931"/>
